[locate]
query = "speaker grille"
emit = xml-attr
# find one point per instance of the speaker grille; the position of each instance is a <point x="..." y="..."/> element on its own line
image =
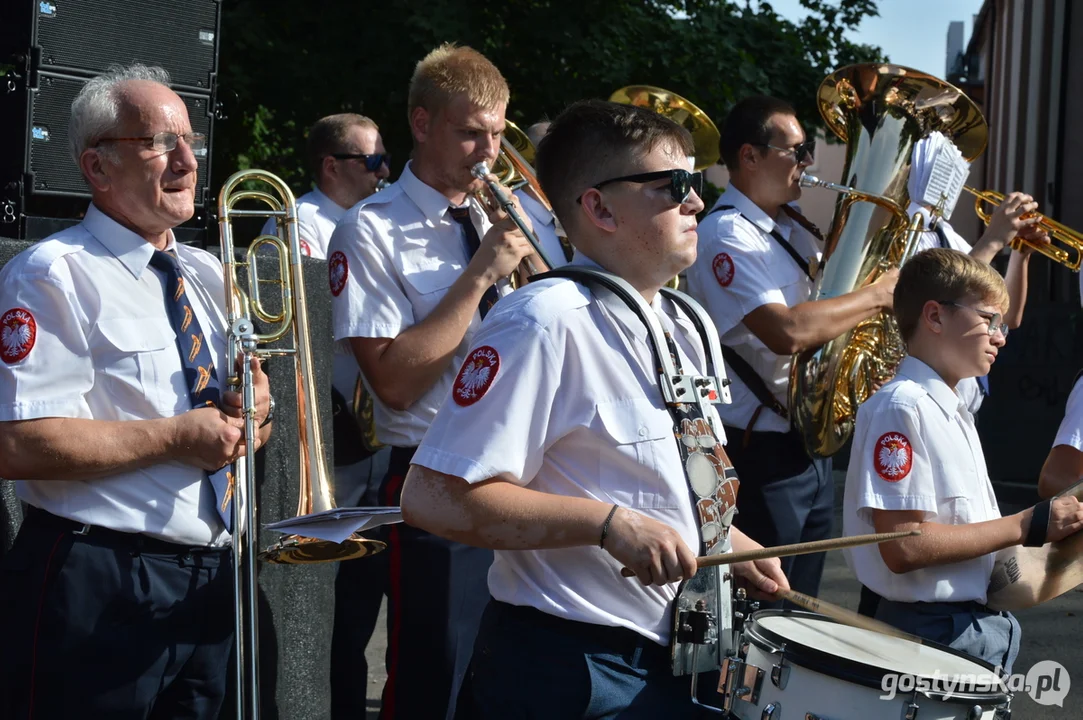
<point x="91" y="35"/>
<point x="50" y="159"/>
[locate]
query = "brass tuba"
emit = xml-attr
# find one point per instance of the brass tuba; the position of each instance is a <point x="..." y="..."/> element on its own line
<point x="881" y="111"/>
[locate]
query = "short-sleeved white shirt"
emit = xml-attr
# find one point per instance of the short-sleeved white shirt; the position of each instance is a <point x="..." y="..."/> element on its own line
<point x="915" y="447"/>
<point x="573" y="408"/>
<point x="1070" y="432"/>
<point x="317" y="216"/>
<point x="393" y="258"/>
<point x="544" y="223"/>
<point x="103" y="348"/>
<point x="968" y="389"/>
<point x="739" y="268"/>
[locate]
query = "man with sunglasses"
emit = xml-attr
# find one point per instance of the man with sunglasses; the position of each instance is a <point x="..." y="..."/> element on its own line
<point x="115" y="422"/>
<point x="555" y="447"/>
<point x="413" y="271"/>
<point x="917" y="463"/>
<point x="754" y="274"/>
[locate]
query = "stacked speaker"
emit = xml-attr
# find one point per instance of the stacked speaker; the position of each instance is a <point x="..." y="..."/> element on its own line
<point x="48" y="50"/>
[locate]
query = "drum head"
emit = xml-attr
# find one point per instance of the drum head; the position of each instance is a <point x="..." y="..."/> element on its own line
<point x="864" y="657"/>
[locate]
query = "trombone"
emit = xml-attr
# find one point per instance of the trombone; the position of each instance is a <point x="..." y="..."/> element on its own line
<point x="245" y="343"/>
<point x="1058" y="232"/>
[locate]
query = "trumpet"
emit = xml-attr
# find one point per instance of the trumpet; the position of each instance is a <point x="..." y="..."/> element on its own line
<point x="1058" y="232"/>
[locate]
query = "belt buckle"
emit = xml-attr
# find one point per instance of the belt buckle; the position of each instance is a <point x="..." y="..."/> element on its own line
<point x="85" y="530"/>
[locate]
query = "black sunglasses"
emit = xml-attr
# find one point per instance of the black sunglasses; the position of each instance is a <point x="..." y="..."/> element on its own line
<point x="372" y="162"/>
<point x="800" y="152"/>
<point x="681" y="183"/>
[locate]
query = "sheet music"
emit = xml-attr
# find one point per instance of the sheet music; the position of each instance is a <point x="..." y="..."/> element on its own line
<point x="938" y="172"/>
<point x="337" y="524"/>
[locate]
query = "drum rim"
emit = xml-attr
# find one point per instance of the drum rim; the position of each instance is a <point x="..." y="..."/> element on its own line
<point x="855" y="671"/>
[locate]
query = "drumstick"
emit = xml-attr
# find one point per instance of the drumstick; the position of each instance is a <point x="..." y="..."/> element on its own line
<point x="795" y="549"/>
<point x="844" y="616"/>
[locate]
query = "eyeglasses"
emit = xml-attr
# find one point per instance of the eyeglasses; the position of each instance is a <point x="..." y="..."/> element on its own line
<point x="800" y="152"/>
<point x="681" y="183"/>
<point x="995" y="320"/>
<point x="372" y="162"/>
<point x="164" y="142"/>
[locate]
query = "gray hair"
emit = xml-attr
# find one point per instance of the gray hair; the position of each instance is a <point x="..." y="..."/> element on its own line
<point x="95" y="112"/>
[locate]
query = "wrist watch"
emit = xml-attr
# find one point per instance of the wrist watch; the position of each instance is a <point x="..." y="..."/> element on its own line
<point x="270" y="411"/>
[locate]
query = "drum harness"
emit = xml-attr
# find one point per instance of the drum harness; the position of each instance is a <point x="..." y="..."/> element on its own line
<point x="697" y="643"/>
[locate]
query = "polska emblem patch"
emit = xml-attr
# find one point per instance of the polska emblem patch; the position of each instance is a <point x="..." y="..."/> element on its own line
<point x="723" y="269"/>
<point x="893" y="456"/>
<point x="338" y="269"/>
<point x="18" y="331"/>
<point x="306" y="249"/>
<point x="475" y="376"/>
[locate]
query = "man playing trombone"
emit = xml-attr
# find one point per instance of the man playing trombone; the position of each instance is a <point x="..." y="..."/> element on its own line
<point x="116" y="423"/>
<point x="413" y="270"/>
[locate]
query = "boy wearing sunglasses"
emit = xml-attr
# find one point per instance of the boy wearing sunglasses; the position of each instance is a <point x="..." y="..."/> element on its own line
<point x="555" y="447"/>
<point x="917" y="463"/>
<point x="754" y="274"/>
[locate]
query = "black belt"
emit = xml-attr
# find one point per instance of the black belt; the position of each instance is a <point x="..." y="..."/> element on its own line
<point x="134" y="542"/>
<point x="619" y="640"/>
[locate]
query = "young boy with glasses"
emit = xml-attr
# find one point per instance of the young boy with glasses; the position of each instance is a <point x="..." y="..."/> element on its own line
<point x="917" y="463"/>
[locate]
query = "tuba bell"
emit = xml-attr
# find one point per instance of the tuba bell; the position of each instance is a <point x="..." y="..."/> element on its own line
<point x="880" y="111"/>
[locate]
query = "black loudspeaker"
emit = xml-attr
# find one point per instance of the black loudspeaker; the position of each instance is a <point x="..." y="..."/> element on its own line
<point x="85" y="37"/>
<point x="49" y="49"/>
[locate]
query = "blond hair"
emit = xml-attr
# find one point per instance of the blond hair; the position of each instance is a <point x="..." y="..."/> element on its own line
<point x="944" y="275"/>
<point x="450" y="70"/>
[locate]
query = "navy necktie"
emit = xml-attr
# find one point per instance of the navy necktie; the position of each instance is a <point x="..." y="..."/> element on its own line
<point x="941" y="234"/>
<point x="202" y="380"/>
<point x="461" y="215"/>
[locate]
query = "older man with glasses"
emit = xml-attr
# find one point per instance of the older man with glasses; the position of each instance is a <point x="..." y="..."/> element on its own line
<point x="116" y="424"/>
<point x="754" y="273"/>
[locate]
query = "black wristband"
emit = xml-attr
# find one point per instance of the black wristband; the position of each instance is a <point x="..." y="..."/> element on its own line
<point x="605" y="526"/>
<point x="1039" y="525"/>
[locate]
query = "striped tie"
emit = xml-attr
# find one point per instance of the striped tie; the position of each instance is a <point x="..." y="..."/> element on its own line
<point x="203" y="387"/>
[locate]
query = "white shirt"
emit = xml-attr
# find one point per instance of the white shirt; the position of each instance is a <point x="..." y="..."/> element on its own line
<point x="393" y="257"/>
<point x="572" y="408"/>
<point x="915" y="448"/>
<point x="544" y="223"/>
<point x="739" y="268"/>
<point x="969" y="389"/>
<point x="1070" y="432"/>
<point x="104" y="349"/>
<point x="317" y="216"/>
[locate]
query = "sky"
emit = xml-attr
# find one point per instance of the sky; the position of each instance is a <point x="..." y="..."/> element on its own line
<point x="910" y="32"/>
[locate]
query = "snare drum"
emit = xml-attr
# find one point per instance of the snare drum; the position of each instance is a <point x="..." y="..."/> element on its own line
<point x="801" y="666"/>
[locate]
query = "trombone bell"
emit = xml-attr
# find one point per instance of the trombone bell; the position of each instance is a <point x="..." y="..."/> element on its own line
<point x="704" y="133"/>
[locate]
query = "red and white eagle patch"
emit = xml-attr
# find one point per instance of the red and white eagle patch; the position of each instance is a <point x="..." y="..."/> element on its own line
<point x="723" y="269"/>
<point x="892" y="457"/>
<point x="306" y="249"/>
<point x="475" y="376"/>
<point x="18" y="331"/>
<point x="338" y="269"/>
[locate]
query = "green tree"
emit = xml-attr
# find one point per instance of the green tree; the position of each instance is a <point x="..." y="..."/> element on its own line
<point x="282" y="67"/>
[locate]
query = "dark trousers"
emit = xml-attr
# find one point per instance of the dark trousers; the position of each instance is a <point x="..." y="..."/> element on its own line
<point x="437" y="590"/>
<point x="784" y="498"/>
<point x="360" y="586"/>
<point x="112" y="625"/>
<point x="965" y="626"/>
<point x="529" y="665"/>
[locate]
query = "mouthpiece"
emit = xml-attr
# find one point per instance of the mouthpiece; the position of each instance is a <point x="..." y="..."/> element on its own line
<point x="810" y="181"/>
<point x="480" y="171"/>
<point x="382" y="184"/>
